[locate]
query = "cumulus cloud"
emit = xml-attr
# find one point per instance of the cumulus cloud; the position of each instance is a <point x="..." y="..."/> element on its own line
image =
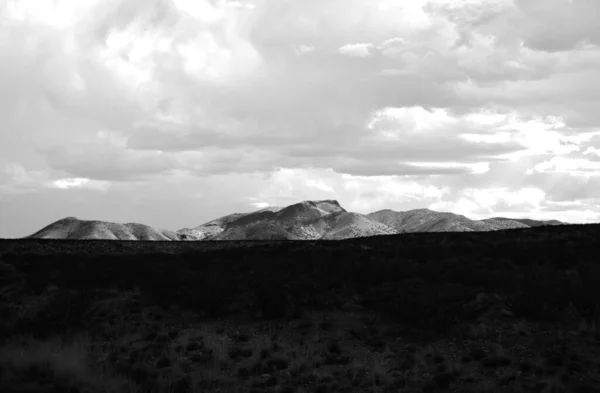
<point x="295" y="100"/>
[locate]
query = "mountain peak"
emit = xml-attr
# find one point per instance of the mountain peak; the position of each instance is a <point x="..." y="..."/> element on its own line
<point x="320" y="201"/>
<point x="332" y="201"/>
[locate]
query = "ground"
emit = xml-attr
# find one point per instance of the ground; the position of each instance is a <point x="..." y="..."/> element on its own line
<point x="473" y="313"/>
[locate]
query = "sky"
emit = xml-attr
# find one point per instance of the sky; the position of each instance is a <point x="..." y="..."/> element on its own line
<point x="171" y="113"/>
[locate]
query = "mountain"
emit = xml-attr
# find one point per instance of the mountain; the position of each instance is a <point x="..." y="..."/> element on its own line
<point x="425" y="220"/>
<point x="531" y="223"/>
<point x="215" y="227"/>
<point x="258" y="230"/>
<point x="292" y="222"/>
<point x="306" y="220"/>
<point x="73" y="228"/>
<point x="345" y="225"/>
<point x="210" y="228"/>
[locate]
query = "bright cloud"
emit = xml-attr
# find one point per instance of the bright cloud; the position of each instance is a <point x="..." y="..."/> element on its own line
<point x="260" y="205"/>
<point x="572" y="166"/>
<point x="356" y="50"/>
<point x="79" y="182"/>
<point x="481" y="202"/>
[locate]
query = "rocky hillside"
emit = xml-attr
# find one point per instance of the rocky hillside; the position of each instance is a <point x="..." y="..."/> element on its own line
<point x="297" y="221"/>
<point x="211" y="228"/>
<point x="530" y="223"/>
<point x="73" y="228"/>
<point x="425" y="220"/>
<point x="345" y="225"/>
<point x="215" y="227"/>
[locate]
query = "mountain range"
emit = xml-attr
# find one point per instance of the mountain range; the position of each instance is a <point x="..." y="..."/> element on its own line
<point x="307" y="220"/>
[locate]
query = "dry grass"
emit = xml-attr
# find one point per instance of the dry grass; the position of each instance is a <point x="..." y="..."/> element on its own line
<point x="224" y="356"/>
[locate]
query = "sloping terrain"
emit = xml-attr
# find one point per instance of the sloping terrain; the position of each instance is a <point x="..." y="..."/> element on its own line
<point x="210" y="228"/>
<point x="73" y="228"/>
<point x="261" y="230"/>
<point x="214" y="227"/>
<point x="425" y="220"/>
<point x="345" y="225"/>
<point x="504" y="224"/>
<point x="529" y="222"/>
<point x="293" y="222"/>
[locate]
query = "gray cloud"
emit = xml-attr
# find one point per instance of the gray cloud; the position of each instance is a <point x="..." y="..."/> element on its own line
<point x="395" y="169"/>
<point x="105" y="162"/>
<point x="559" y="25"/>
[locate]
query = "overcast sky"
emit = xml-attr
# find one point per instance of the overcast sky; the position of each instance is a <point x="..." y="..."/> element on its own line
<point x="174" y="112"/>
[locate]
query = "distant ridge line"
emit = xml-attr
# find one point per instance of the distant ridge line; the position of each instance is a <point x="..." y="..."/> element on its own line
<point x="306" y="220"/>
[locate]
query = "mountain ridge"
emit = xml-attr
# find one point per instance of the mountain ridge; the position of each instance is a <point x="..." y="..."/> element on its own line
<point x="306" y="220"/>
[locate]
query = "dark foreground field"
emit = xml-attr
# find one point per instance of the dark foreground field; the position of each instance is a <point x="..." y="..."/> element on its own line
<point x="510" y="311"/>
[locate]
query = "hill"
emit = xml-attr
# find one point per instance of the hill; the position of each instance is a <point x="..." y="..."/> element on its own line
<point x="307" y="220"/>
<point x="529" y="222"/>
<point x="73" y="228"/>
<point x="215" y="227"/>
<point x="425" y="220"/>
<point x="345" y="225"/>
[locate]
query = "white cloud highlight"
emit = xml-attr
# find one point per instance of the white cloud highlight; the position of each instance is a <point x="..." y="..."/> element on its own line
<point x="356" y="50"/>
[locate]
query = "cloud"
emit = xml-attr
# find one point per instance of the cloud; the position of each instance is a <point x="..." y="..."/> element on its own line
<point x="195" y="96"/>
<point x="559" y="25"/>
<point x="303" y="49"/>
<point x="486" y="201"/>
<point x="572" y="166"/>
<point x="80" y="182"/>
<point x="356" y="50"/>
<point x="19" y="181"/>
<point x="260" y="205"/>
<point x="393" y="141"/>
